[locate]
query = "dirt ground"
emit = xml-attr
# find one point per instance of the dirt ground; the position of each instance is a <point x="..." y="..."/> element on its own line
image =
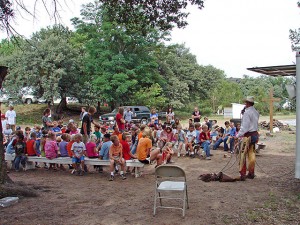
<point x="273" y="197"/>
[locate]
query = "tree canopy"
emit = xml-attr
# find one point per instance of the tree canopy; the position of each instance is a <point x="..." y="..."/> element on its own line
<point x="107" y="59"/>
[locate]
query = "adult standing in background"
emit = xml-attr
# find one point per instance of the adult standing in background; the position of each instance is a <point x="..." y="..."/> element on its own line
<point x="196" y="115"/>
<point x="10" y="116"/>
<point x="128" y="115"/>
<point x="170" y="116"/>
<point x="120" y="119"/>
<point x="46" y="119"/>
<point x="154" y="117"/>
<point x="86" y="127"/>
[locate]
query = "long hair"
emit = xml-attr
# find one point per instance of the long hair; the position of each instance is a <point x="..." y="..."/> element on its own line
<point x="121" y="110"/>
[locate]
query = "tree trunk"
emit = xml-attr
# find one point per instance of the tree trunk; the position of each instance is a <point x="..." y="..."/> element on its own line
<point x="61" y="106"/>
<point x="98" y="107"/>
<point x="4" y="178"/>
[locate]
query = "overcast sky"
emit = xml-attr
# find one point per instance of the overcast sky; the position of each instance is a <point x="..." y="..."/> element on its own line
<point x="231" y="35"/>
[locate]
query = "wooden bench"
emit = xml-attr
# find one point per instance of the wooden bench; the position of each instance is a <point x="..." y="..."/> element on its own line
<point x="67" y="160"/>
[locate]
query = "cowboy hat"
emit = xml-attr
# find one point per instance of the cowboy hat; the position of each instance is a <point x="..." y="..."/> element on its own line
<point x="249" y="99"/>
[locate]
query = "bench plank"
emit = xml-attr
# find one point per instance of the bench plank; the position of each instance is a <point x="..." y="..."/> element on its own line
<point x="67" y="160"/>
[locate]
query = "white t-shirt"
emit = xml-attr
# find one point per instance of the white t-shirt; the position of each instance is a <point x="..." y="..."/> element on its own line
<point x="170" y="115"/>
<point x="4" y="122"/>
<point x="78" y="149"/>
<point x="128" y="116"/>
<point x="190" y="135"/>
<point x="11" y="117"/>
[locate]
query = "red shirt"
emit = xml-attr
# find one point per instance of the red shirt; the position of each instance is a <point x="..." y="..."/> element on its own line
<point x="126" y="149"/>
<point x="29" y="146"/>
<point x="118" y="120"/>
<point x="204" y="137"/>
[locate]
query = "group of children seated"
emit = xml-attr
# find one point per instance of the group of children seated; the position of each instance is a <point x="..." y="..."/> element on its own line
<point x="147" y="143"/>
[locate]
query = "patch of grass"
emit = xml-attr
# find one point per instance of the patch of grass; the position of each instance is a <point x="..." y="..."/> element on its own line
<point x="27" y="114"/>
<point x="254" y="216"/>
<point x="183" y="115"/>
<point x="226" y="220"/>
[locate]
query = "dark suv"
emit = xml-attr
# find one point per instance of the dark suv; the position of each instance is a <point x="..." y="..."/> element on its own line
<point x="141" y="114"/>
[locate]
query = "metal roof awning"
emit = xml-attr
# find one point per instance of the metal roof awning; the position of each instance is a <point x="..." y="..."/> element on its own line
<point x="275" y="71"/>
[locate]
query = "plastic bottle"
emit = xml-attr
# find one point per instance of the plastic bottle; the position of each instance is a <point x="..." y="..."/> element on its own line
<point x="5" y="202"/>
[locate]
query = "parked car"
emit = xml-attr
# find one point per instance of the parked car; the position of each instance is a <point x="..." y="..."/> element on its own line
<point x="5" y="97"/>
<point x="57" y="100"/>
<point x="162" y="115"/>
<point x="141" y="114"/>
<point x="72" y="100"/>
<point x="29" y="99"/>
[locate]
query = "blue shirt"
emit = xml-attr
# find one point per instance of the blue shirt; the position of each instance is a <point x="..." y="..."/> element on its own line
<point x="104" y="152"/>
<point x="56" y="129"/>
<point x="232" y="131"/>
<point x="156" y="116"/>
<point x="63" y="149"/>
<point x="197" y="140"/>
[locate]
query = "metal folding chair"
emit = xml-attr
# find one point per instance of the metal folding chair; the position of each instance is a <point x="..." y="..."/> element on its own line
<point x="170" y="178"/>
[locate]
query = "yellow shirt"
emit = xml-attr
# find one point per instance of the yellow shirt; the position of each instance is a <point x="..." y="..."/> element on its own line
<point x="115" y="150"/>
<point x="143" y="145"/>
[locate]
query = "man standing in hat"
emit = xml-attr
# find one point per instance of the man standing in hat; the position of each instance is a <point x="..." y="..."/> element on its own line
<point x="248" y="130"/>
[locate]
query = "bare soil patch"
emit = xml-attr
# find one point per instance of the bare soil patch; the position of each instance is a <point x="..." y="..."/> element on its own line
<point x="273" y="197"/>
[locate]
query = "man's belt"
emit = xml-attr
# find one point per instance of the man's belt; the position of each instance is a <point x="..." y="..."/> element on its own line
<point x="252" y="133"/>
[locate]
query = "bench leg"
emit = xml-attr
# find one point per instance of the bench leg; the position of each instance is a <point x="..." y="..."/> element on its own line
<point x="30" y="165"/>
<point x="10" y="165"/>
<point x="136" y="172"/>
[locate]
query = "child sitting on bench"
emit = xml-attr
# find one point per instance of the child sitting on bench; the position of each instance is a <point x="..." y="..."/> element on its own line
<point x="116" y="157"/>
<point x="79" y="151"/>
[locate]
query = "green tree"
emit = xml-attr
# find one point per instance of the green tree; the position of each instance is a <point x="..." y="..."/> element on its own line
<point x="224" y="94"/>
<point x="185" y="80"/>
<point x="47" y="62"/>
<point x="163" y="15"/>
<point x="151" y="97"/>
<point x="120" y="60"/>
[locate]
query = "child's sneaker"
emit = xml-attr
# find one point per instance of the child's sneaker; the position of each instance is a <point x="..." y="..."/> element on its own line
<point x="208" y="158"/>
<point x="178" y="154"/>
<point x="123" y="177"/>
<point x="111" y="178"/>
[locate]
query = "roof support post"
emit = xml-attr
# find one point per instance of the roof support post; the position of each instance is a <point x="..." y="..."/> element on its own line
<point x="297" y="168"/>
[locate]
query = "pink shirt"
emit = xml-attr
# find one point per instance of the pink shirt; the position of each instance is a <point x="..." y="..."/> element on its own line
<point x="90" y="146"/>
<point x="73" y="132"/>
<point x="51" y="149"/>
